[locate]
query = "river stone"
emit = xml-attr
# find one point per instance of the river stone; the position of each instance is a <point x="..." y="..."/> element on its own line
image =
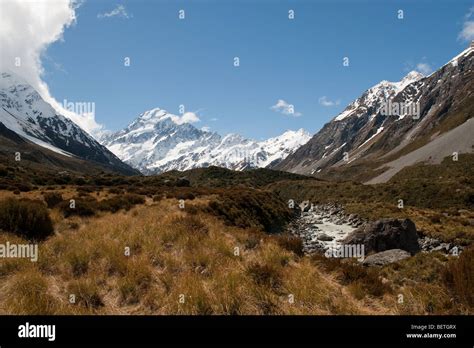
<point x="386" y="257"/>
<point x="325" y="238"/>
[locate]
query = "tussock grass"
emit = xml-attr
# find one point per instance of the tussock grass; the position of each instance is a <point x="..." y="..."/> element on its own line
<point x="156" y="258"/>
<point x="459" y="275"/>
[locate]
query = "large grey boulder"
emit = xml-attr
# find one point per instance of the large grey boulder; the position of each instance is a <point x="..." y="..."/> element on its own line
<point x="386" y="234"/>
<point x="386" y="257"/>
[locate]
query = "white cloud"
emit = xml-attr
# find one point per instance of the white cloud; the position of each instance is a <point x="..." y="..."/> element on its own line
<point x="206" y="129"/>
<point x="469" y="13"/>
<point x="424" y="68"/>
<point x="119" y="11"/>
<point x="285" y="108"/>
<point x="27" y="28"/>
<point x="467" y="32"/>
<point x="324" y="101"/>
<point x="188" y="117"/>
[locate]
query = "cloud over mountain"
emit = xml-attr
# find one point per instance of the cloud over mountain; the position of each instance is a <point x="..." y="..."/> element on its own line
<point x="27" y="30"/>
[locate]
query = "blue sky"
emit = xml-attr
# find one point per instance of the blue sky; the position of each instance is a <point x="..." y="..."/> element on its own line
<point x="191" y="61"/>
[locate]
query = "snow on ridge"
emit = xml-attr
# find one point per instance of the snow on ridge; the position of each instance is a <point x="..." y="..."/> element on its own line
<point x="464" y="53"/>
<point x="380" y="129"/>
<point x="155" y="143"/>
<point x="373" y="94"/>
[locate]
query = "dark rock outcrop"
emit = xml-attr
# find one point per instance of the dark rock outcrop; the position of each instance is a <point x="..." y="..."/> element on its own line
<point x="386" y="234"/>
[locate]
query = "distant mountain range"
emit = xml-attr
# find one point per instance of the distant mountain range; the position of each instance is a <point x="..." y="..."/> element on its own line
<point x="393" y="125"/>
<point x="390" y="126"/>
<point x="155" y="142"/>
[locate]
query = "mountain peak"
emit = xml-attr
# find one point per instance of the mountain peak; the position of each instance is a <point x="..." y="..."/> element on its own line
<point x="153" y="115"/>
<point x="25" y="112"/>
<point x="158" y="141"/>
<point x="384" y="89"/>
<point x="9" y="79"/>
<point x="412" y="76"/>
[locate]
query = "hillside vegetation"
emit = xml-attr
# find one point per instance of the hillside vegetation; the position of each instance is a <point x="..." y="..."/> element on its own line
<point x="209" y="242"/>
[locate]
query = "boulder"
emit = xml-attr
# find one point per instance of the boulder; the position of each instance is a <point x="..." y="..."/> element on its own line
<point x="386" y="257"/>
<point x="386" y="234"/>
<point x="325" y="238"/>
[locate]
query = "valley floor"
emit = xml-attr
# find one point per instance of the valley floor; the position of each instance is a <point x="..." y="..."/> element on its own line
<point x="161" y="257"/>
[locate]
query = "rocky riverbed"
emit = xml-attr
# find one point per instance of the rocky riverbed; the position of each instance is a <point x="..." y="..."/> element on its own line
<point x="323" y="226"/>
<point x="326" y="226"/>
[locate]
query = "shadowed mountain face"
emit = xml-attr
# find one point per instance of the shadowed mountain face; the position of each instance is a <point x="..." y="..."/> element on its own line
<point x="24" y="112"/>
<point x="40" y="159"/>
<point x="390" y="120"/>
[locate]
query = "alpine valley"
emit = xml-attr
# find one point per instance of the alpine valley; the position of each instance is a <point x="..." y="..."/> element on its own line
<point x="372" y="215"/>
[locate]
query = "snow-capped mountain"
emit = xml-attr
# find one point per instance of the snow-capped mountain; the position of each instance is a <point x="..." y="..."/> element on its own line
<point x="371" y="101"/>
<point x="157" y="142"/>
<point x="23" y="111"/>
<point x="374" y="129"/>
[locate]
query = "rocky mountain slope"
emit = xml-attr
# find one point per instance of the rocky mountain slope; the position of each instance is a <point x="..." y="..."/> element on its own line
<point x="23" y="111"/>
<point x="372" y="132"/>
<point x="156" y="142"/>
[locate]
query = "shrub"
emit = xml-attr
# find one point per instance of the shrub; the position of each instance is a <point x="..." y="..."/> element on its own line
<point x="24" y="187"/>
<point x="26" y="218"/>
<point x="133" y="198"/>
<point x="183" y="182"/>
<point x="79" y="181"/>
<point x="252" y="208"/>
<point x="185" y="196"/>
<point x="52" y="199"/>
<point x="115" y="190"/>
<point x="3" y="170"/>
<point x="116" y="203"/>
<point x="364" y="278"/>
<point x="82" y="207"/>
<point x="157" y="198"/>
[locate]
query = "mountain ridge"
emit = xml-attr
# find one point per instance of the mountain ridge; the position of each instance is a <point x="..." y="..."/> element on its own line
<point x="23" y="111"/>
<point x="356" y="143"/>
<point x="157" y="141"/>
